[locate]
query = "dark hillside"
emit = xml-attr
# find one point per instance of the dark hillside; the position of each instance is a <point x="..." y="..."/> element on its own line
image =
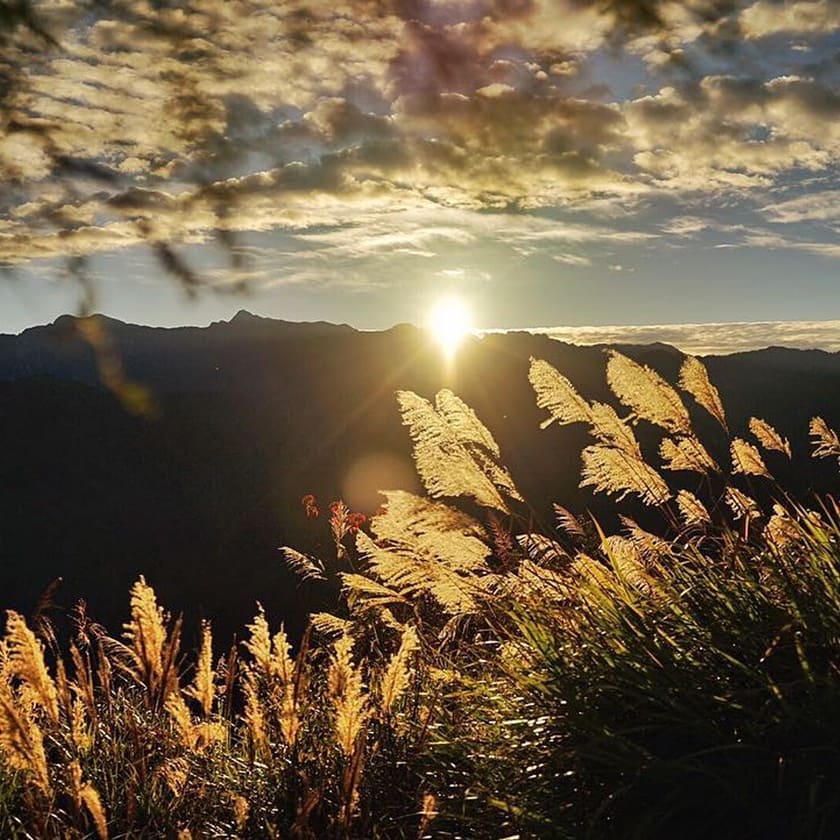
<point x="252" y="414"/>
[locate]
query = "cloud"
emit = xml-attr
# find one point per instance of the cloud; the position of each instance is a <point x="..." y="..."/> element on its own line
<point x="348" y="124"/>
<point x="710" y="339"/>
<point x="805" y="17"/>
<point x="572" y="259"/>
<point x="823" y="206"/>
<point x="729" y="134"/>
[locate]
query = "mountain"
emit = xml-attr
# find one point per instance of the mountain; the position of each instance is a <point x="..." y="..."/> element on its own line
<point x="196" y="482"/>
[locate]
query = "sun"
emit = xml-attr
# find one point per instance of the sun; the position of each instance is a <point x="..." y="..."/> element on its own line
<point x="450" y="322"/>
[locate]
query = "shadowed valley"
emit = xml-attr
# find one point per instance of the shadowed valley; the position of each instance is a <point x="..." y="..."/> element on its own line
<point x="243" y="418"/>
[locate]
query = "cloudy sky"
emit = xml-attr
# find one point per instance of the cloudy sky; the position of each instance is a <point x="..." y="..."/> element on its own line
<point x="552" y="162"/>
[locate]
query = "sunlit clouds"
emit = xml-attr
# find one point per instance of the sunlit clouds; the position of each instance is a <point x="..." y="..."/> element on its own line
<point x="362" y="145"/>
<point x="711" y="339"/>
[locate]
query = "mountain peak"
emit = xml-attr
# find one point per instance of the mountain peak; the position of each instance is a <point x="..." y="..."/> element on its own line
<point x="243" y="316"/>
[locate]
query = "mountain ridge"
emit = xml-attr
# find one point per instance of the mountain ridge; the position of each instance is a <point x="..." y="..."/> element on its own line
<point x="248" y="418"/>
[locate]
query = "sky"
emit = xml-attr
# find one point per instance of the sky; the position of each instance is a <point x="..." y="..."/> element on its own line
<point x="554" y="163"/>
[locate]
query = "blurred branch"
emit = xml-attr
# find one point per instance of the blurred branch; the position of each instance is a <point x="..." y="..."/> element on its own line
<point x="29" y="41"/>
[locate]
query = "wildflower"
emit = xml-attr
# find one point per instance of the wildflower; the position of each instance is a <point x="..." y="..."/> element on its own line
<point x="310" y="506"/>
<point x="355" y="521"/>
<point x="338" y="521"/>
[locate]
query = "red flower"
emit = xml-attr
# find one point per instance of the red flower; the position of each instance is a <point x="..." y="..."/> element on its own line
<point x="308" y="502"/>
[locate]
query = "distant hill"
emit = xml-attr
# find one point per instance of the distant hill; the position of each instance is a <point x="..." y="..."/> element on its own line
<point x="247" y="416"/>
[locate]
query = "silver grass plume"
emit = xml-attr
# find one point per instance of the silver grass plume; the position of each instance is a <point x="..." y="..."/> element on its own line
<point x="542" y="550"/>
<point x="650" y="546"/>
<point x="22" y="741"/>
<point x="782" y="530"/>
<point x="556" y="394"/>
<point x="535" y="581"/>
<point x="425" y="547"/>
<point x="397" y="676"/>
<point x="611" y="471"/>
<point x="349" y="696"/>
<point x="454" y="452"/>
<point x="369" y="593"/>
<point x="649" y="396"/>
<point x="25" y="654"/>
<point x="304" y="566"/>
<point x="692" y="510"/>
<point x="329" y="625"/>
<point x="568" y="523"/>
<point x="747" y="460"/>
<point x="694" y="379"/>
<point x="768" y="437"/>
<point x="594" y="572"/>
<point x="607" y="427"/>
<point x="826" y="442"/>
<point x="627" y="561"/>
<point x="686" y="454"/>
<point x="741" y="505"/>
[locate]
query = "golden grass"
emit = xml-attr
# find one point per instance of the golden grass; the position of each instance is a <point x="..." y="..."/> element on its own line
<point x="341" y="737"/>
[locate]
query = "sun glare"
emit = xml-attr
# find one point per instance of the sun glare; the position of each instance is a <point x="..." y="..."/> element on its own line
<point x="450" y="323"/>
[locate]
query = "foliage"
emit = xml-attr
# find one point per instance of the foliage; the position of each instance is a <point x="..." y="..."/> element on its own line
<point x="479" y="678"/>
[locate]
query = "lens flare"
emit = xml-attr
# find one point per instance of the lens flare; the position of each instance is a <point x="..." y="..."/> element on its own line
<point x="450" y="322"/>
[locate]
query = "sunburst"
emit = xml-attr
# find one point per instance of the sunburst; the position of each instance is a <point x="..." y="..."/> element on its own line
<point x="450" y="322"/>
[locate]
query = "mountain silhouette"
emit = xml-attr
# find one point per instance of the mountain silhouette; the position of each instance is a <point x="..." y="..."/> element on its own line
<point x="240" y="419"/>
